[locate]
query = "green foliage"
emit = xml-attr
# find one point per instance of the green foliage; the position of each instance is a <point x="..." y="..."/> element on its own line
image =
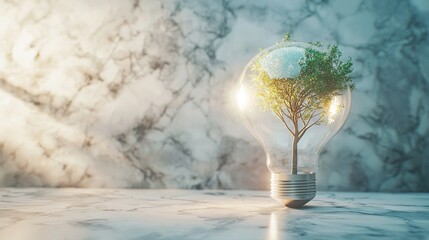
<point x="304" y="101"/>
<point x="287" y="37"/>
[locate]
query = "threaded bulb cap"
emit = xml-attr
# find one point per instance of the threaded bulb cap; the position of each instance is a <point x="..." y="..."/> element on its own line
<point x="293" y="190"/>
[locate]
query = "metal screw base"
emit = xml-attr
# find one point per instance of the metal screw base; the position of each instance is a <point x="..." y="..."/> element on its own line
<point x="293" y="190"/>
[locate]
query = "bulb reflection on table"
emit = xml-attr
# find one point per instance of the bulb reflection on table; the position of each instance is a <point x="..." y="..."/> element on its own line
<point x="275" y="229"/>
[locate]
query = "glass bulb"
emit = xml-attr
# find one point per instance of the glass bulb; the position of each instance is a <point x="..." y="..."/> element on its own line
<point x="291" y="184"/>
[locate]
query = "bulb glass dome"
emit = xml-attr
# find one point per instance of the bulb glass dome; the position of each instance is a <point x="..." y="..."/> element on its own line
<point x="282" y="61"/>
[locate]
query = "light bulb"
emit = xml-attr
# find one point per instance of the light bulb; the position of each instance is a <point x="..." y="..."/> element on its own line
<point x="292" y="184"/>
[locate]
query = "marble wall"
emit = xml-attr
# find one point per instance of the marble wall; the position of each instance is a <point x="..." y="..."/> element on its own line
<point x="141" y="93"/>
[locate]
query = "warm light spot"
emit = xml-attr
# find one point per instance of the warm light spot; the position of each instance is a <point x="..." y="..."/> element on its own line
<point x="276" y="227"/>
<point x="274" y="230"/>
<point x="333" y="109"/>
<point x="241" y="98"/>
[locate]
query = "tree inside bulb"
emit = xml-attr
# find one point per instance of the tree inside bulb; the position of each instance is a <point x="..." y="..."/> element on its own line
<point x="294" y="97"/>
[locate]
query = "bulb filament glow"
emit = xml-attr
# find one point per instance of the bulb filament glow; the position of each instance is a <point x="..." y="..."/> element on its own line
<point x="333" y="109"/>
<point x="241" y="98"/>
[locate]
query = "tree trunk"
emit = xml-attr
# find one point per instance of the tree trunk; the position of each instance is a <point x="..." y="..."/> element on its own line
<point x="295" y="155"/>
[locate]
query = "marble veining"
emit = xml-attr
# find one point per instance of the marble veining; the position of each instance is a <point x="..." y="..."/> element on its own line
<point x="141" y="93"/>
<point x="207" y="214"/>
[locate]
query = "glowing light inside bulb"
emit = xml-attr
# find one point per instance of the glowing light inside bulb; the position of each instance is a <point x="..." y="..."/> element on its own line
<point x="241" y="98"/>
<point x="333" y="109"/>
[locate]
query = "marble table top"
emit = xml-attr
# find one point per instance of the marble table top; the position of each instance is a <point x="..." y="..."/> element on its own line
<point x="208" y="214"/>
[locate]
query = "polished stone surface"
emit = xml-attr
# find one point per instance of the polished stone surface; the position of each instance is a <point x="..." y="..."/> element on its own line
<point x="190" y="214"/>
<point x="144" y="91"/>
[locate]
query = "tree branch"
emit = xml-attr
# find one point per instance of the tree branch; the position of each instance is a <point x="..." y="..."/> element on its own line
<point x="285" y="123"/>
<point x="302" y="132"/>
<point x="288" y="116"/>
